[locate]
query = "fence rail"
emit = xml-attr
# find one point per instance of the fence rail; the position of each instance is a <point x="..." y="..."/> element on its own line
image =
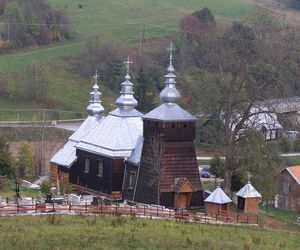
<point x="140" y="211"/>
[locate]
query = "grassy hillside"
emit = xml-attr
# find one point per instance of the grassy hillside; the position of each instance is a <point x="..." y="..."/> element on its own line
<point x="81" y="232"/>
<point x="113" y="16"/>
<point x="119" y="21"/>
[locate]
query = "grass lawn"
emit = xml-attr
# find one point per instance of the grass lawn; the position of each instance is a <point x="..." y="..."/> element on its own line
<point x="89" y="232"/>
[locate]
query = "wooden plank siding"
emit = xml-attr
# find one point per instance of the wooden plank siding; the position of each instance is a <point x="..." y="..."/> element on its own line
<point x="127" y="191"/>
<point x="178" y="161"/>
<point x="112" y="173"/>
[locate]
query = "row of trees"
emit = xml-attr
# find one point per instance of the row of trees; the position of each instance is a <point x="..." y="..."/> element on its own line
<point x="21" y="166"/>
<point x="31" y="23"/>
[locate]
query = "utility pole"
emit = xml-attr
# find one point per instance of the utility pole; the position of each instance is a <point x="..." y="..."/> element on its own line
<point x="43" y="135"/>
<point x="8" y="38"/>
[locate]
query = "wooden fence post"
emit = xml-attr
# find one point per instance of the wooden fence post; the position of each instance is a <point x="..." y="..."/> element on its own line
<point x="181" y="214"/>
<point x="144" y="210"/>
<point x="86" y="206"/>
<point x="101" y="208"/>
<point x="35" y="207"/>
<point x="70" y="207"/>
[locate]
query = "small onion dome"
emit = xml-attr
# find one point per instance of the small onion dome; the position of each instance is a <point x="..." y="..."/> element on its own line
<point x="126" y="101"/>
<point x="95" y="108"/>
<point x="170" y="94"/>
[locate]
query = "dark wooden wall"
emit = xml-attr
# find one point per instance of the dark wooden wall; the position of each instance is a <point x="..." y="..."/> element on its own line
<point x="172" y="131"/>
<point x="178" y="161"/>
<point x="112" y="173"/>
<point x="127" y="193"/>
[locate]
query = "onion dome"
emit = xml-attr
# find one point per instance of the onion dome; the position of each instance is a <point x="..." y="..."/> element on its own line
<point x="126" y="101"/>
<point x="95" y="108"/>
<point x="170" y="94"/>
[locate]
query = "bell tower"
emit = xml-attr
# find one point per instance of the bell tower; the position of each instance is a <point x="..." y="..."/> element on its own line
<point x="169" y="172"/>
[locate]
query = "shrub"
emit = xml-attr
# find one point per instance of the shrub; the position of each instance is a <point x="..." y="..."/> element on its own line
<point x="45" y="187"/>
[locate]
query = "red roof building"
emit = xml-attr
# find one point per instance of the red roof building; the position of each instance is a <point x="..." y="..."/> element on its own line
<point x="289" y="188"/>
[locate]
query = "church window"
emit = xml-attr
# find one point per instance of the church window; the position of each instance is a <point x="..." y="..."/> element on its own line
<point x="86" y="165"/>
<point x="100" y="168"/>
<point x="132" y="177"/>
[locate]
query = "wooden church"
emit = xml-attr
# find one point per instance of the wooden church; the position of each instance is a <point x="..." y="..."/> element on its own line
<point x="142" y="158"/>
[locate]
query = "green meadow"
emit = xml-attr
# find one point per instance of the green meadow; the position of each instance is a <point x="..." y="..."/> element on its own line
<point x="106" y="232"/>
<point x="120" y="21"/>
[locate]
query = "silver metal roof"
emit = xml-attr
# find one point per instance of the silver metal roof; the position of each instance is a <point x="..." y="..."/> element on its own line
<point x="118" y="133"/>
<point x="169" y="112"/>
<point x="95" y="107"/>
<point x="170" y="94"/>
<point x="248" y="191"/>
<point x="66" y="156"/>
<point x="115" y="136"/>
<point x="136" y="154"/>
<point x="126" y="101"/>
<point x="218" y="196"/>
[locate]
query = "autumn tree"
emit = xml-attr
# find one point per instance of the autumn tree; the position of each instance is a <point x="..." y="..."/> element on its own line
<point x="263" y="161"/>
<point x="25" y="162"/>
<point x="238" y="71"/>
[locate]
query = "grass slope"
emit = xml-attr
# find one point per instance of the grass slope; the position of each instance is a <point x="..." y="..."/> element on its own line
<point x="82" y="232"/>
<point x="119" y="21"/>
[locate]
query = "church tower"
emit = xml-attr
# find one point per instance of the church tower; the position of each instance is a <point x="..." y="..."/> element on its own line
<point x="168" y="171"/>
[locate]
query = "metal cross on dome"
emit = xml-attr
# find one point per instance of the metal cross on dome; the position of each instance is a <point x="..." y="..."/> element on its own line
<point x="219" y="182"/>
<point x="249" y="176"/>
<point x="127" y="63"/>
<point x="96" y="77"/>
<point x="171" y="49"/>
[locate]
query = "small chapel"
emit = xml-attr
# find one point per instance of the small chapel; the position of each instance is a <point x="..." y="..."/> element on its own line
<point x="147" y="158"/>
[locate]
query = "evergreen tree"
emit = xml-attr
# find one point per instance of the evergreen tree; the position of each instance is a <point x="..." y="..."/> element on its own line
<point x="25" y="161"/>
<point x="205" y="15"/>
<point x="145" y="89"/>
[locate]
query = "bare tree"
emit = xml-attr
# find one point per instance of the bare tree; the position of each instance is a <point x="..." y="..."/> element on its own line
<point x="154" y="159"/>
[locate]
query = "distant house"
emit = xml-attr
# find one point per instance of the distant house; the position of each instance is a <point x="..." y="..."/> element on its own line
<point x="289" y="188"/>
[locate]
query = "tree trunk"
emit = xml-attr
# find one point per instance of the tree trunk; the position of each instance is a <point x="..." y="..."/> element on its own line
<point x="228" y="167"/>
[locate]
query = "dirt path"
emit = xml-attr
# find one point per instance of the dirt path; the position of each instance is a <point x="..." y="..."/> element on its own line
<point x="279" y="10"/>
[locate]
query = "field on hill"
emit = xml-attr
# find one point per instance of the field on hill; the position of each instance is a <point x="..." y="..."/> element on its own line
<point x="105" y="232"/>
<point x="119" y="21"/>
